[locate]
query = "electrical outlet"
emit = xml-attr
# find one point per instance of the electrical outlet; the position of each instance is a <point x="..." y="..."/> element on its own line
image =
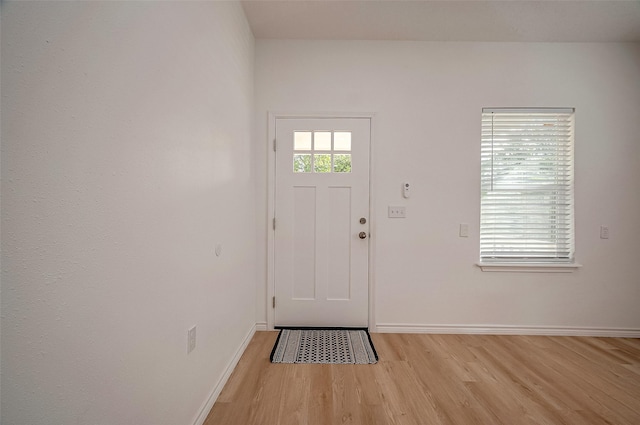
<point x="191" y="340"/>
<point x="604" y="232"/>
<point x="397" y="212"/>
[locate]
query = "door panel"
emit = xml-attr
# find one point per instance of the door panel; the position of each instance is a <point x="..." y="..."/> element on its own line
<point x="304" y="243"/>
<point x="339" y="244"/>
<point x="322" y="192"/>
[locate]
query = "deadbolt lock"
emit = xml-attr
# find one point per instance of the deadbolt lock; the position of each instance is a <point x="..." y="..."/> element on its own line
<point x="363" y="220"/>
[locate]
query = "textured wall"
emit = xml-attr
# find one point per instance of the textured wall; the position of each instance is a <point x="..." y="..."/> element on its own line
<point x="126" y="152"/>
<point x="428" y="98"/>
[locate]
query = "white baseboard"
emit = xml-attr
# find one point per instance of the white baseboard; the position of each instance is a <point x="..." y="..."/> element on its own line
<point x="217" y="389"/>
<point x="507" y="330"/>
<point x="261" y="326"/>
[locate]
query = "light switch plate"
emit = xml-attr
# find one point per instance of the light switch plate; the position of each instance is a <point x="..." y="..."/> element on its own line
<point x="397" y="211"/>
<point x="464" y="230"/>
<point x="191" y="340"/>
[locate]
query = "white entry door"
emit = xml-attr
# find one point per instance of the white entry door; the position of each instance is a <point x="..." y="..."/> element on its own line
<point x="322" y="222"/>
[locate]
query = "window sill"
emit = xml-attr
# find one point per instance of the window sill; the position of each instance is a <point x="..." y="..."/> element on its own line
<point x="529" y="267"/>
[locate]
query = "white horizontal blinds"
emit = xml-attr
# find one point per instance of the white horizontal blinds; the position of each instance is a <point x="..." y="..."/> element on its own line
<point x="527" y="186"/>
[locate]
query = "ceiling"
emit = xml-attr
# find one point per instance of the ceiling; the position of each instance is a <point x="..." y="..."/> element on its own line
<point x="450" y="20"/>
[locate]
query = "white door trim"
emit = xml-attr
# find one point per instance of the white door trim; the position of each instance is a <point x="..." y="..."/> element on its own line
<point x="271" y="182"/>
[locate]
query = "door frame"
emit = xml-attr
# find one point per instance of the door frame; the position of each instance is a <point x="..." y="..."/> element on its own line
<point x="271" y="197"/>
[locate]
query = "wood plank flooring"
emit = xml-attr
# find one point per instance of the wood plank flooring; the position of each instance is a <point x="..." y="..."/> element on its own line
<point x="442" y="379"/>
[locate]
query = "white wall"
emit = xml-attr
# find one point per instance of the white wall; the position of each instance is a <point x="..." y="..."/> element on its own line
<point x="126" y="152"/>
<point x="428" y="99"/>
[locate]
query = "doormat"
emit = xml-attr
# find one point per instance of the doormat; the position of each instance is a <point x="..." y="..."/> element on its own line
<point x="326" y="346"/>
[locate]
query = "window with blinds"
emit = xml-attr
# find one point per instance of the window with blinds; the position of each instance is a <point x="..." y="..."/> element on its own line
<point x="527" y="186"/>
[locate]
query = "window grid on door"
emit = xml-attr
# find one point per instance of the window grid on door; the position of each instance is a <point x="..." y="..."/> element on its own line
<point x="321" y="151"/>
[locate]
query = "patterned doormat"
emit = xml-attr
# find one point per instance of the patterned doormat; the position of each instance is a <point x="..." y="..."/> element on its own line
<point x="328" y="346"/>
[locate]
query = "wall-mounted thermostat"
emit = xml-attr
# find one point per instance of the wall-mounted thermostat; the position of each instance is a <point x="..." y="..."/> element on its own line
<point x="406" y="192"/>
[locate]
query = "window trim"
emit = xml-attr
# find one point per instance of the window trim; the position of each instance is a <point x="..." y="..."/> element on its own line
<point x="536" y="264"/>
<point x="529" y="267"/>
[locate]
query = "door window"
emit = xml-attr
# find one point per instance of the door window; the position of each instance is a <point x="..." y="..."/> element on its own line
<point x="322" y="152"/>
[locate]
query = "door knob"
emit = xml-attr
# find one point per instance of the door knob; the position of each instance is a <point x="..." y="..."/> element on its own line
<point x="362" y="235"/>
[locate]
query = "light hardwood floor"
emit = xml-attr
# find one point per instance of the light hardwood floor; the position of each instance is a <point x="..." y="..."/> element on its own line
<point x="442" y="379"/>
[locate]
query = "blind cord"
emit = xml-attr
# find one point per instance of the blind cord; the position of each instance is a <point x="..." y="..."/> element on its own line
<point x="492" y="114"/>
